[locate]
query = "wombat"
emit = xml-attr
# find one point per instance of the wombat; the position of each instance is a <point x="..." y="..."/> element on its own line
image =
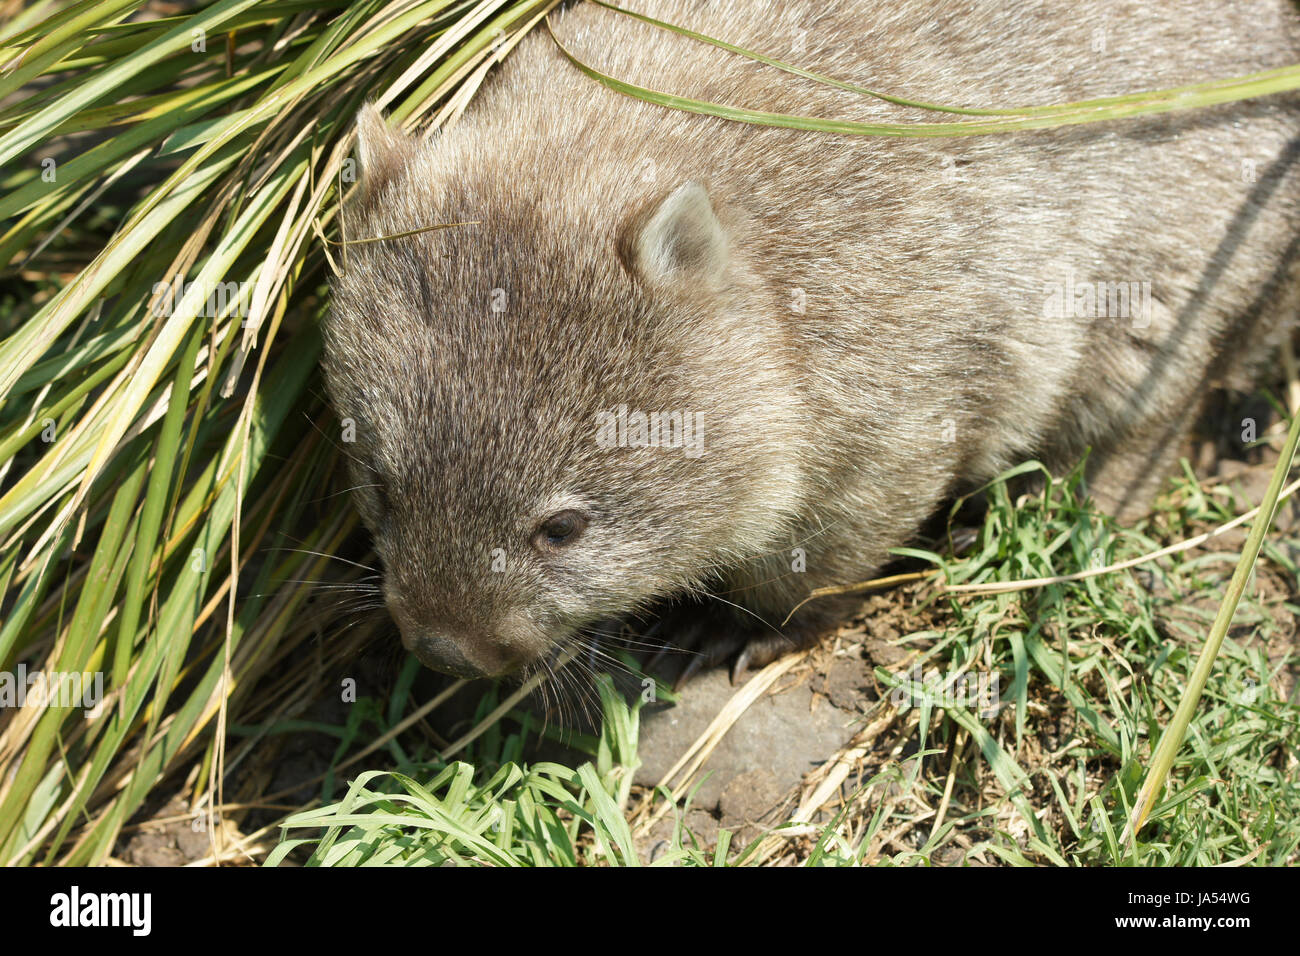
<point x="667" y="355"/>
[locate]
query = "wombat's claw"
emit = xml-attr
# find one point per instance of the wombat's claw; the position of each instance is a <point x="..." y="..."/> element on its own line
<point x="758" y="652"/>
<point x="655" y="659"/>
<point x="714" y="652"/>
<point x="686" y="640"/>
<point x="741" y="663"/>
<point x="708" y="639"/>
<point x="693" y="667"/>
<point x="746" y="653"/>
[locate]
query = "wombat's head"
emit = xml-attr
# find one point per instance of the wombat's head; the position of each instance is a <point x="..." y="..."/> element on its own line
<point x="573" y="403"/>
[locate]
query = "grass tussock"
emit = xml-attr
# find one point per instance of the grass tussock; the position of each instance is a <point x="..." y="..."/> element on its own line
<point x="170" y="172"/>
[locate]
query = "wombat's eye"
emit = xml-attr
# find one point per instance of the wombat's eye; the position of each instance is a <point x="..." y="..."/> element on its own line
<point x="560" y="529"/>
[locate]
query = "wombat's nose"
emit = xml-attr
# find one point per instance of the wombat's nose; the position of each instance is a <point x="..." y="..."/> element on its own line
<point x="441" y="653"/>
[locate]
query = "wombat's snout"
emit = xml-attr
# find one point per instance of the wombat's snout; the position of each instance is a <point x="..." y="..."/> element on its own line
<point x="458" y="649"/>
<point x="441" y="651"/>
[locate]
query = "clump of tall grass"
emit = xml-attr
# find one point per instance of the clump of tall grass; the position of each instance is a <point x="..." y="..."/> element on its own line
<point x="170" y="186"/>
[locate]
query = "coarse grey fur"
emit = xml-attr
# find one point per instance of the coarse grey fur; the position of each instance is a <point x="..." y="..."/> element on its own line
<point x="860" y="323"/>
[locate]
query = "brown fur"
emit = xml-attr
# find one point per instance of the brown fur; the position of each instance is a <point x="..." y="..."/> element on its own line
<point x="858" y="321"/>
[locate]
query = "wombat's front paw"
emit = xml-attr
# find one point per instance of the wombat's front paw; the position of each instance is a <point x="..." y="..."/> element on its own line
<point x="745" y="649"/>
<point x="712" y="636"/>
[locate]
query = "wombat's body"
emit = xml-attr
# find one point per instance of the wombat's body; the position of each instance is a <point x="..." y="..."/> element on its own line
<point x="861" y="325"/>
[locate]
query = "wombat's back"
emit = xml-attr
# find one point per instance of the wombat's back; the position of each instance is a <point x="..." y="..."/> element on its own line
<point x="921" y="275"/>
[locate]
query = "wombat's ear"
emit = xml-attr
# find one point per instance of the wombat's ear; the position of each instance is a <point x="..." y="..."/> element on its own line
<point x="678" y="240"/>
<point x="381" y="151"/>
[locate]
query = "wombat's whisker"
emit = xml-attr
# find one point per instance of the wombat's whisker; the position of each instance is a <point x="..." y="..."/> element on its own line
<point x="631" y="643"/>
<point x="594" y="649"/>
<point x="547" y="688"/>
<point x="584" y="690"/>
<point x="342" y="451"/>
<point x="740" y="607"/>
<point x="344" y="491"/>
<point x="360" y="609"/>
<point x="334" y="585"/>
<point x="322" y="554"/>
<point x="574" y="683"/>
